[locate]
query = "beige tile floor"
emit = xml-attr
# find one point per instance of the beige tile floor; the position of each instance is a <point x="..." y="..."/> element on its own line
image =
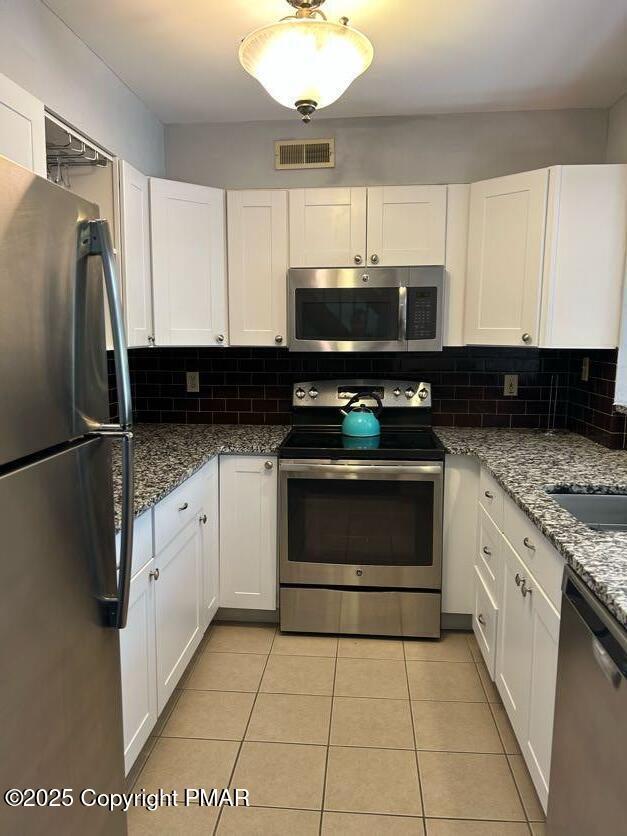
<point x="338" y="736"/>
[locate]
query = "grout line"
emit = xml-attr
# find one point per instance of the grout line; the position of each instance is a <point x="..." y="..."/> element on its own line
<point x="326" y="762"/>
<point x="413" y="729"/>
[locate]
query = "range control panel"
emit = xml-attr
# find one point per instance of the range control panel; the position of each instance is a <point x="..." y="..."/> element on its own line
<point x="337" y="393"/>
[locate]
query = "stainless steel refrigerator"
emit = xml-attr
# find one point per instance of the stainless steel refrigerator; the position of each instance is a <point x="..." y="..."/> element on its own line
<point x="62" y="601"/>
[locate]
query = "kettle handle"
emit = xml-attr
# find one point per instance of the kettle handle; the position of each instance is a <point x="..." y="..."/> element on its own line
<point x="358" y="397"/>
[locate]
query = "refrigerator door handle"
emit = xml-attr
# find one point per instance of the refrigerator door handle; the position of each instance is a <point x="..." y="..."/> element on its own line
<point x="100" y="245"/>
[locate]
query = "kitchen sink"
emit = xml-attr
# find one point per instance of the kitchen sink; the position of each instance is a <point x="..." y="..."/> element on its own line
<point x="600" y="511"/>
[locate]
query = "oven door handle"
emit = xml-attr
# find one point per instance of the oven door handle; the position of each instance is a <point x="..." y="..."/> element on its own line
<point x="434" y="470"/>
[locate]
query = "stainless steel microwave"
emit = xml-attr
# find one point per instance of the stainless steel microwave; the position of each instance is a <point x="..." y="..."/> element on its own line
<point x="367" y="309"/>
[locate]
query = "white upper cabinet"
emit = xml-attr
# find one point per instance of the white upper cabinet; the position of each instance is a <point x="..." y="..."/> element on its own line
<point x="327" y="227"/>
<point x="585" y="256"/>
<point x="22" y="127"/>
<point x="505" y="259"/>
<point x="457" y="205"/>
<point x="406" y="225"/>
<point x="258" y="261"/>
<point x="188" y="263"/>
<point x="135" y="229"/>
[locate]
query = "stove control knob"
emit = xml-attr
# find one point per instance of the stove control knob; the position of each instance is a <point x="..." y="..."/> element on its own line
<point x="409" y="393"/>
<point x="313" y="393"/>
<point x="397" y="392"/>
<point x="423" y="393"/>
<point x="300" y="393"/>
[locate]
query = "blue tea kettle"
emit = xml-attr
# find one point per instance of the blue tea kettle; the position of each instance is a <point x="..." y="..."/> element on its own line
<point x="361" y="422"/>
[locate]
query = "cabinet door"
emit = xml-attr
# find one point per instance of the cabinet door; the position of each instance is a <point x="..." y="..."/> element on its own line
<point x="406" y="225"/>
<point x="537" y="742"/>
<point x="457" y="206"/>
<point x="210" y="533"/>
<point x="135" y="234"/>
<point x="138" y="660"/>
<point x="505" y="258"/>
<point x="513" y="661"/>
<point x="258" y="258"/>
<point x="248" y="526"/>
<point x="188" y="263"/>
<point x="327" y="227"/>
<point x="22" y="127"/>
<point x="177" y="607"/>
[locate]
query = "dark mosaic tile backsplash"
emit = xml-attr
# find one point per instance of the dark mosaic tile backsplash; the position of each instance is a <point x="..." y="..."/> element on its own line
<point x="253" y="385"/>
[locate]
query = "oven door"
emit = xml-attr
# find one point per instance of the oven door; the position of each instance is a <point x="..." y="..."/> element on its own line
<point x="359" y="523"/>
<point x="347" y="310"/>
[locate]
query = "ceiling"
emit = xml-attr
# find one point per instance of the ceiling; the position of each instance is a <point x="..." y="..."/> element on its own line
<point x="431" y="56"/>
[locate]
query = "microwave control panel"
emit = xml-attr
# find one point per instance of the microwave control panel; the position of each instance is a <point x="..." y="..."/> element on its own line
<point x="422" y="313"/>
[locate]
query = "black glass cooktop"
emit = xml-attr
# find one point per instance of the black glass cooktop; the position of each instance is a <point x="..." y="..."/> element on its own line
<point x="391" y="444"/>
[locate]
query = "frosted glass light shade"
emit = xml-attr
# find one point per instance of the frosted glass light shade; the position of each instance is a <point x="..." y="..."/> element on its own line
<point x="305" y="60"/>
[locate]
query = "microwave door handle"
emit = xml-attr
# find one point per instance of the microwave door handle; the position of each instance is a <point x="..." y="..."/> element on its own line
<point x="402" y="314"/>
<point x="100" y="245"/>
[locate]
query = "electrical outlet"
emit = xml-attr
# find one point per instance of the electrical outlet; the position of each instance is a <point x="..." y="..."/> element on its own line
<point x="510" y="385"/>
<point x="585" y="369"/>
<point x="193" y="382"/>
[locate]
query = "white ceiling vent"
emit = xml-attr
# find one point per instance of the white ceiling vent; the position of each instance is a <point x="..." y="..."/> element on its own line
<point x="313" y="153"/>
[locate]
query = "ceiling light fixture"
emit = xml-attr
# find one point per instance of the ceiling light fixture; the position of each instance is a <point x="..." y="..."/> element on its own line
<point x="304" y="61"/>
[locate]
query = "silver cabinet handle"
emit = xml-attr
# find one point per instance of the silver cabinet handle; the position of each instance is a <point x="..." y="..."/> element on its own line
<point x="269" y="465"/>
<point x="526" y="338"/>
<point x="374" y="258"/>
<point x="184" y="506"/>
<point x="278" y="339"/>
<point x="481" y="619"/>
<point x="203" y="519"/>
<point x="489" y="494"/>
<point x="97" y="236"/>
<point x="487" y="551"/>
<point x="526" y="590"/>
<point x="529" y="544"/>
<point x="358" y="259"/>
<point x="154" y="574"/>
<point x="220" y="338"/>
<point x="518" y="579"/>
<point x="151" y="341"/>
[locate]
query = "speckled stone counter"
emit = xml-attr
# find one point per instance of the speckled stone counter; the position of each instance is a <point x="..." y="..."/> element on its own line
<point x="168" y="454"/>
<point x="526" y="463"/>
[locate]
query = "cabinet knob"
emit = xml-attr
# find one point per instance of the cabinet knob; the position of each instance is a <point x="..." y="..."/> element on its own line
<point x="526" y="590"/>
<point x="481" y="619"/>
<point x="374" y="258"/>
<point x="203" y="519"/>
<point x="527" y="542"/>
<point x="358" y="259"/>
<point x="487" y="551"/>
<point x="526" y="338"/>
<point x="220" y="338"/>
<point x="184" y="506"/>
<point x="269" y="465"/>
<point x="154" y="574"/>
<point x="278" y="339"/>
<point x="151" y="341"/>
<point x="489" y="494"/>
<point x="518" y="579"/>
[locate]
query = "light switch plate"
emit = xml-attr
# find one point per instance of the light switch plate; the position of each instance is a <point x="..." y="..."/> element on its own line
<point x="585" y="369"/>
<point x="192" y="381"/>
<point x="510" y="385"/>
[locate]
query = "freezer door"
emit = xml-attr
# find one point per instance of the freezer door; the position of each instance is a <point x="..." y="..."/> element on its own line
<point x="60" y="692"/>
<point x="52" y="344"/>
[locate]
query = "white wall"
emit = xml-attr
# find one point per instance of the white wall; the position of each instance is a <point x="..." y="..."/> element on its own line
<point x="40" y="53"/>
<point x="617" y="132"/>
<point x="453" y="148"/>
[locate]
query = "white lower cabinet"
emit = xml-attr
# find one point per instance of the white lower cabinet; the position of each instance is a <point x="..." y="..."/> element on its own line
<point x="248" y="532"/>
<point x="210" y="546"/>
<point x="138" y="660"/>
<point x="516" y="624"/>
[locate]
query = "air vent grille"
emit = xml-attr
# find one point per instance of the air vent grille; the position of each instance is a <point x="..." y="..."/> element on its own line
<point x="294" y="153"/>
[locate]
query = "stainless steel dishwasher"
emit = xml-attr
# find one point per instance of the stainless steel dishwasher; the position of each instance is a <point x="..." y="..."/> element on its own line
<point x="588" y="795"/>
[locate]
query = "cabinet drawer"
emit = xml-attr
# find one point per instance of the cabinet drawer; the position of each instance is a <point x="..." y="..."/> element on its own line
<point x="535" y="551"/>
<point x="489" y="556"/>
<point x="491" y="496"/>
<point x="142" y="542"/>
<point x="484" y="622"/>
<point x="174" y="512"/>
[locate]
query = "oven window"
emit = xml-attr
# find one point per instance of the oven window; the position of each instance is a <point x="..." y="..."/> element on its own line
<point x="354" y="314"/>
<point x="369" y="522"/>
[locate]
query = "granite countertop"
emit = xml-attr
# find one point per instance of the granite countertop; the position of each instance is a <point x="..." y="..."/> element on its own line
<point x="526" y="463"/>
<point x="168" y="454"/>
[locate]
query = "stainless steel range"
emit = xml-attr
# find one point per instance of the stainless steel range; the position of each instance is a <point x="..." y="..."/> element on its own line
<point x="360" y="519"/>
